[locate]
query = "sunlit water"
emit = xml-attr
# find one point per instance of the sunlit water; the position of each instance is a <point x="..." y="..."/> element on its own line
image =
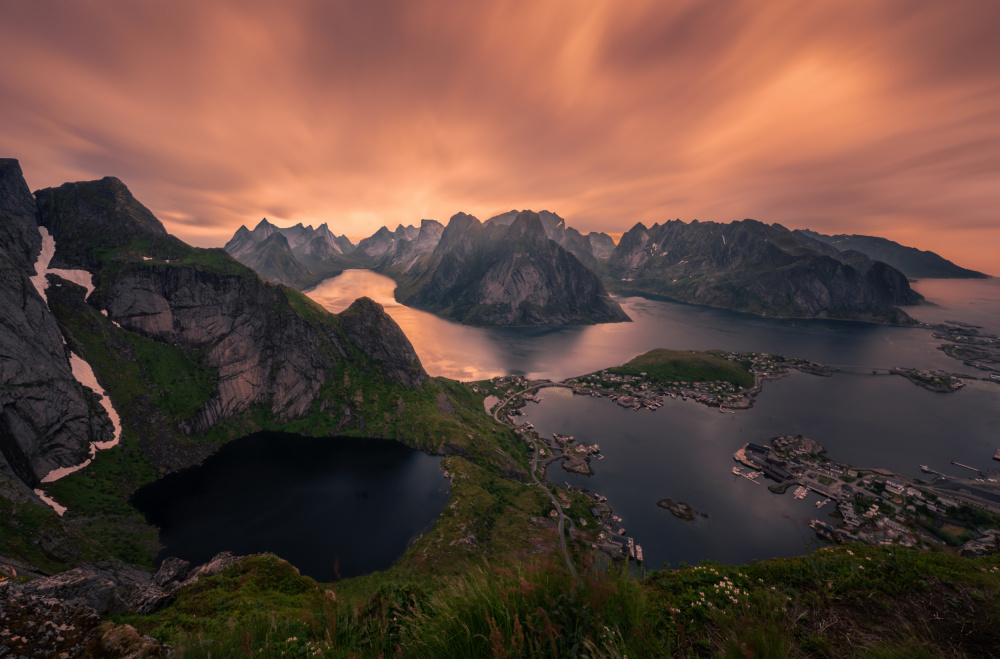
<point x="684" y="450"/>
<point x="471" y="353"/>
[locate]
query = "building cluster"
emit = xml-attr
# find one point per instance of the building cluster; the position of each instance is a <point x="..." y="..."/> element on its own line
<point x="875" y="507"/>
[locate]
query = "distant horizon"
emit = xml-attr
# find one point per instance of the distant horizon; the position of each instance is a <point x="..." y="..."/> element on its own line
<point x="867" y="118"/>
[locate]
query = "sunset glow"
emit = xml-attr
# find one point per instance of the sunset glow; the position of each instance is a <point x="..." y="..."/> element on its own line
<point x="880" y="118"/>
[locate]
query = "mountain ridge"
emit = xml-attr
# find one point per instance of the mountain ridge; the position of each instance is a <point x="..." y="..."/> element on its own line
<point x="759" y="268"/>
<point x="912" y="262"/>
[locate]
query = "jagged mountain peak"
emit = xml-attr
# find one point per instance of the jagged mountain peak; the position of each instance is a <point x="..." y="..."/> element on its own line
<point x="527" y="226"/>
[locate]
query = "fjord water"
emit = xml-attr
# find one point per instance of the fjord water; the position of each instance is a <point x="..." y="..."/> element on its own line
<point x="333" y="506"/>
<point x="683" y="451"/>
<point x="471" y="353"/>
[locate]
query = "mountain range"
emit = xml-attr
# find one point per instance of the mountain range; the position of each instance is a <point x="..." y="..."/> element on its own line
<point x="747" y="266"/>
<point x="518" y="268"/>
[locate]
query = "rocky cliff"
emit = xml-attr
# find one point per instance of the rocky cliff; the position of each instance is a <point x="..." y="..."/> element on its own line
<point x="183" y="337"/>
<point x="759" y="268"/>
<point x="47" y="419"/>
<point x="499" y="273"/>
<point x="911" y="261"/>
<point x="19" y="236"/>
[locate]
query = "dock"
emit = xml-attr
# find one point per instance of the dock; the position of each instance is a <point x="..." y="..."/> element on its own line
<point x="959" y="464"/>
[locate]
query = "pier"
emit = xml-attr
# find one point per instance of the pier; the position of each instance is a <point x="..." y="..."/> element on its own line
<point x="959" y="464"/>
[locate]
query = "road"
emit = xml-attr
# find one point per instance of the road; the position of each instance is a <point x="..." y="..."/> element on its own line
<point x="534" y="475"/>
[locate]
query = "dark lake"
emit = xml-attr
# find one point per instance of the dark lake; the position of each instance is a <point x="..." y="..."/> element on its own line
<point x="333" y="506"/>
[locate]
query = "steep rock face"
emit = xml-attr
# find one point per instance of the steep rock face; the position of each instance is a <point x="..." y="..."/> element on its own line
<point x="18" y="224"/>
<point x="370" y="328"/>
<point x="910" y="261"/>
<point x="501" y="273"/>
<point x="265" y="354"/>
<point x="268" y="346"/>
<point x="47" y="419"/>
<point x="751" y="266"/>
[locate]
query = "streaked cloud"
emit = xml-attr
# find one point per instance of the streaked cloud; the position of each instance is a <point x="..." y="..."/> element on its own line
<point x="857" y="117"/>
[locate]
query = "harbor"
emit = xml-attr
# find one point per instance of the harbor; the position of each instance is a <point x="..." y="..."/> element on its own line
<point x="879" y="507"/>
<point x="821" y="483"/>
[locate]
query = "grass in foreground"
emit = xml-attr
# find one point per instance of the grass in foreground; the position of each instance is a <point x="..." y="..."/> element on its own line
<point x="844" y="601"/>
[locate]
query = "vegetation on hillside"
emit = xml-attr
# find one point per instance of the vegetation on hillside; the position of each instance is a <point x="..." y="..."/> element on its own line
<point x="662" y="365"/>
<point x="842" y="601"/>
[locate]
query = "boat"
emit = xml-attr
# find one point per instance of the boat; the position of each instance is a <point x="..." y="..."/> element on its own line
<point x="638" y="553"/>
<point x="737" y="472"/>
<point x="996" y="456"/>
<point x="926" y="469"/>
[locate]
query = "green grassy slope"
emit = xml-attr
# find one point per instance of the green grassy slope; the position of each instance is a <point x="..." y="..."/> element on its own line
<point x="663" y="365"/>
<point x="840" y="602"/>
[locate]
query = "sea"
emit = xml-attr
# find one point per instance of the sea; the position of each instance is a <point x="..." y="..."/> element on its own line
<point x="683" y="450"/>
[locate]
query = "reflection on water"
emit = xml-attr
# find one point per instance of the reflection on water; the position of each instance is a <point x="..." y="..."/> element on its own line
<point x="683" y="451"/>
<point x="975" y="301"/>
<point x="472" y="353"/>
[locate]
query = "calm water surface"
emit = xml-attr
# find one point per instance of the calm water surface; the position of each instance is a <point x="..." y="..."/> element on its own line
<point x="684" y="450"/>
<point x="333" y="507"/>
<point x="472" y="353"/>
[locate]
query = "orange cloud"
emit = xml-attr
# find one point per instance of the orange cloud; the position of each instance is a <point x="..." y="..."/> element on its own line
<point x="842" y="117"/>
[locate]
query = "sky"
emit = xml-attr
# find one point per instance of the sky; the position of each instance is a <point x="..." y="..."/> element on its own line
<point x="843" y="116"/>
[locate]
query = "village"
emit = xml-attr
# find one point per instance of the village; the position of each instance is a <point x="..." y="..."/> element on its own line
<point x="878" y="507"/>
<point x="872" y="506"/>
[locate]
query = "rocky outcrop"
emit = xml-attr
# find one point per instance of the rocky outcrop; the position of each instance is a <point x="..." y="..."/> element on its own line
<point x="18" y="223"/>
<point x="47" y="419"/>
<point x="911" y="261"/>
<point x="264" y="352"/>
<point x="270" y="347"/>
<point x="763" y="269"/>
<point x="500" y="273"/>
<point x="62" y="615"/>
<point x="370" y="328"/>
<point x="986" y="544"/>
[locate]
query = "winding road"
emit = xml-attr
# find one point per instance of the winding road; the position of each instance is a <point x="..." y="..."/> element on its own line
<point x="534" y="475"/>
